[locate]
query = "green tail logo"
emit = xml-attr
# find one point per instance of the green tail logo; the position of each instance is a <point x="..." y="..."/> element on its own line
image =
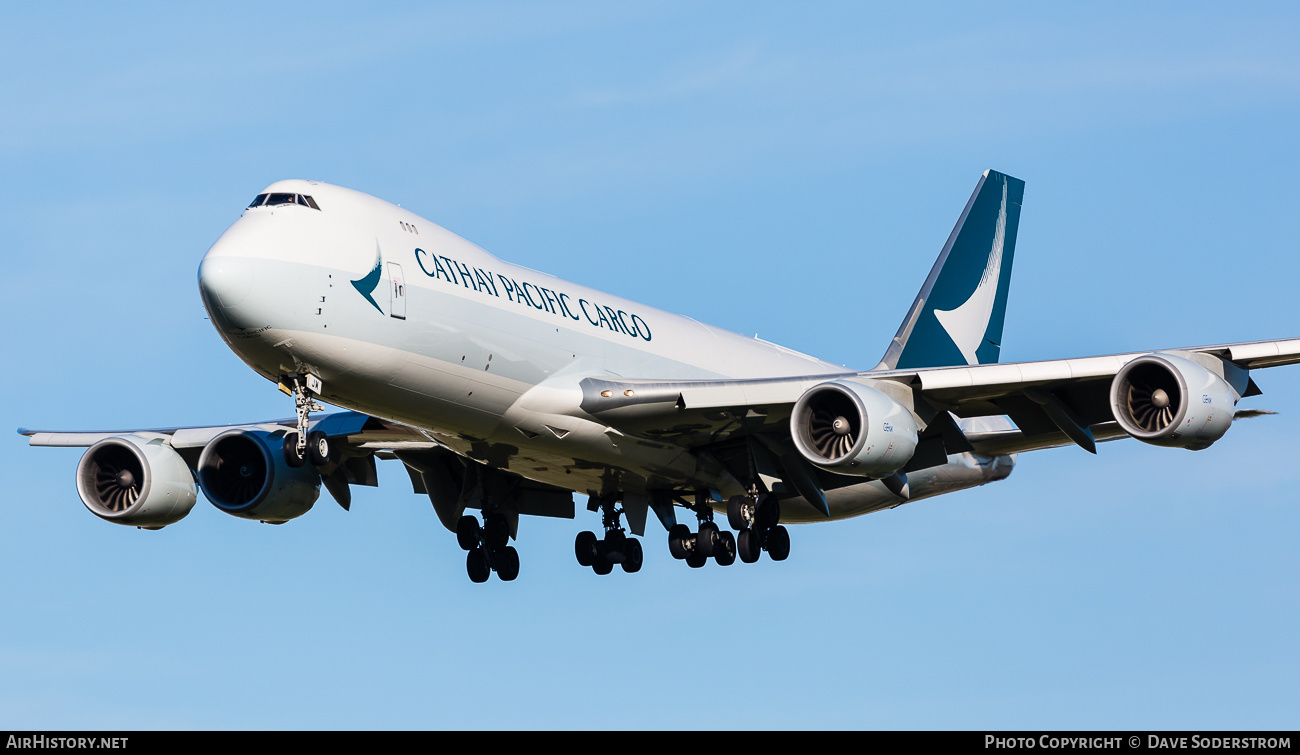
<point x="366" y="286"/>
<point x="958" y="315"/>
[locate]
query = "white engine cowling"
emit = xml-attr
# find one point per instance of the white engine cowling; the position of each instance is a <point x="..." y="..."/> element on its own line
<point x="136" y="481"/>
<point x="244" y="473"/>
<point x="850" y="428"/>
<point x="1166" y="400"/>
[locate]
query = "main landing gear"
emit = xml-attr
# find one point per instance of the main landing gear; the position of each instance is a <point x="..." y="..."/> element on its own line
<point x="757" y="518"/>
<point x="615" y="548"/>
<point x="488" y="546"/>
<point x="696" y="548"/>
<point x="758" y="521"/>
<point x="300" y="446"/>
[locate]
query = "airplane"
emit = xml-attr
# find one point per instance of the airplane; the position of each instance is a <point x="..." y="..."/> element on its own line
<point x="504" y="391"/>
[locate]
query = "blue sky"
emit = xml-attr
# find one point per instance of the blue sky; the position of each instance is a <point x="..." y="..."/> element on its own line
<point x="784" y="170"/>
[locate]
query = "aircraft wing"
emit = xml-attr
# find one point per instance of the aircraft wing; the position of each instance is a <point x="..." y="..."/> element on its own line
<point x="1052" y="402"/>
<point x="960" y="409"/>
<point x="453" y="482"/>
<point x="357" y="430"/>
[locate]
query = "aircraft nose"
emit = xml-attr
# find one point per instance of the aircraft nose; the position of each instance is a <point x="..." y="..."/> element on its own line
<point x="223" y="282"/>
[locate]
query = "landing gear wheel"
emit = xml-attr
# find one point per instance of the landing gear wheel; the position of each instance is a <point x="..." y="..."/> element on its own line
<point x="467" y="533"/>
<point x="508" y="564"/>
<point x="602" y="566"/>
<point x="318" y="448"/>
<point x="696" y="560"/>
<point x="292" y="456"/>
<point x="748" y="547"/>
<point x="707" y="539"/>
<point x="725" y="551"/>
<point x="477" y="566"/>
<point x="496" y="532"/>
<point x="584" y="546"/>
<point x="736" y="512"/>
<point x="632" y="556"/>
<point x="677" y="537"/>
<point x="613" y="545"/>
<point x="778" y="543"/>
<point x="768" y="512"/>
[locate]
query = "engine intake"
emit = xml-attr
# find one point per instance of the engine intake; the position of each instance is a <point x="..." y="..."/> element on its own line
<point x="851" y="428"/>
<point x="1166" y="400"/>
<point x="243" y="473"/>
<point x="136" y="481"/>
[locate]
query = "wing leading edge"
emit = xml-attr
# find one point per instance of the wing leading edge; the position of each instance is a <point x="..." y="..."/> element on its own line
<point x="701" y="412"/>
<point x="451" y="481"/>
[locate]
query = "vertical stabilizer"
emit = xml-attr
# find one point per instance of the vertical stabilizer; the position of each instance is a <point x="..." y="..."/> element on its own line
<point x="957" y="317"/>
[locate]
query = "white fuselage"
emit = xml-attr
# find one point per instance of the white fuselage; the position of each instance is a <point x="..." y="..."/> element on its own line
<point x="403" y="320"/>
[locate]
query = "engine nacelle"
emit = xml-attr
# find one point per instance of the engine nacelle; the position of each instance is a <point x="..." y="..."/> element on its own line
<point x="137" y="481"/>
<point x="850" y="428"/>
<point x="1167" y="400"/>
<point x="243" y="473"/>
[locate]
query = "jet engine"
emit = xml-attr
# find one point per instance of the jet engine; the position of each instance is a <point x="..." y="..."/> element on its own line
<point x="850" y="428"/>
<point x="137" y="481"/>
<point x="1166" y="400"/>
<point x="243" y="473"/>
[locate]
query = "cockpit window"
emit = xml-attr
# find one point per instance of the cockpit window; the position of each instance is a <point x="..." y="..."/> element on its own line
<point x="268" y="200"/>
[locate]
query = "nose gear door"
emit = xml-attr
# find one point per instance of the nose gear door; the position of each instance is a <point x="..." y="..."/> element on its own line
<point x="396" y="291"/>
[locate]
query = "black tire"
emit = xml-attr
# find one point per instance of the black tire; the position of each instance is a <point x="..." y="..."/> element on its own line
<point x="613" y="546"/>
<point x="291" y="455"/>
<point x="602" y="566"/>
<point x="696" y="560"/>
<point x="496" y="532"/>
<point x="677" y="537"/>
<point x="477" y="566"/>
<point x="735" y="512"/>
<point x="508" y="564"/>
<point x="584" y="546"/>
<point x="632" y="556"/>
<point x="768" y="513"/>
<point x="467" y="532"/>
<point x="318" y="448"/>
<point x="707" y="539"/>
<point x="725" y="551"/>
<point x="778" y="543"/>
<point x="747" y="546"/>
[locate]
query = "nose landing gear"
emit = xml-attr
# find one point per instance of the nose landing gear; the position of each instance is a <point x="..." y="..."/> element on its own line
<point x="301" y="446"/>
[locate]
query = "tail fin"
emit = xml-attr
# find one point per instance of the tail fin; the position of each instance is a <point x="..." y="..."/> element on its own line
<point x="957" y="317"/>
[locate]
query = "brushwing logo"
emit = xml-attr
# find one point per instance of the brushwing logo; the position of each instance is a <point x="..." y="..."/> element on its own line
<point x="967" y="324"/>
<point x="366" y="286"/>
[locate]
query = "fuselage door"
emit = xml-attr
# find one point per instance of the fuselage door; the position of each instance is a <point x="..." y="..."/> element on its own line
<point x="396" y="291"/>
